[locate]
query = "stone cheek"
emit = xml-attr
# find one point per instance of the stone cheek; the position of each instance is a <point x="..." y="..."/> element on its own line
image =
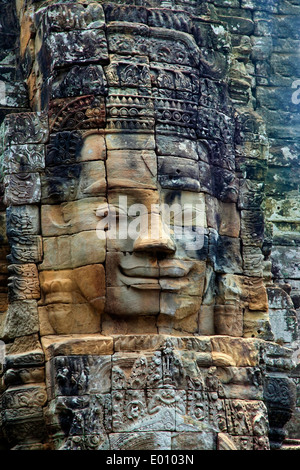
<point x="72" y="301"/>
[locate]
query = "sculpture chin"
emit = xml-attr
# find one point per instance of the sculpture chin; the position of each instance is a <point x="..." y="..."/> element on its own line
<point x="134" y="300"/>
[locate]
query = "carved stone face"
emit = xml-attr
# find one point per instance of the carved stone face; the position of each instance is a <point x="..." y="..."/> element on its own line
<point x="140" y="144"/>
<point x="133" y="208"/>
<point x="150" y="272"/>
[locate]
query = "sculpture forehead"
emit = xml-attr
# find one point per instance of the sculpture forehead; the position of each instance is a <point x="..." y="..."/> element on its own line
<point x="147" y="83"/>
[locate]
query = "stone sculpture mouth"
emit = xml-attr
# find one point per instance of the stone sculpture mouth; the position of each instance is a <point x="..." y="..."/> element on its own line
<point x="155" y="278"/>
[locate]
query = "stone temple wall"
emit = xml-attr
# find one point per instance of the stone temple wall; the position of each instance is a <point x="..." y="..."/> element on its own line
<point x="119" y="343"/>
<point x="273" y="69"/>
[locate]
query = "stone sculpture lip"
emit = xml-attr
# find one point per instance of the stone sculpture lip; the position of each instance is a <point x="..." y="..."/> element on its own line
<point x="140" y="277"/>
<point x="153" y="272"/>
<point x="154" y="278"/>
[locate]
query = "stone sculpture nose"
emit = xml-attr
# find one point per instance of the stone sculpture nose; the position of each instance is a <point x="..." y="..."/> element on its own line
<point x="159" y="245"/>
<point x="155" y="237"/>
